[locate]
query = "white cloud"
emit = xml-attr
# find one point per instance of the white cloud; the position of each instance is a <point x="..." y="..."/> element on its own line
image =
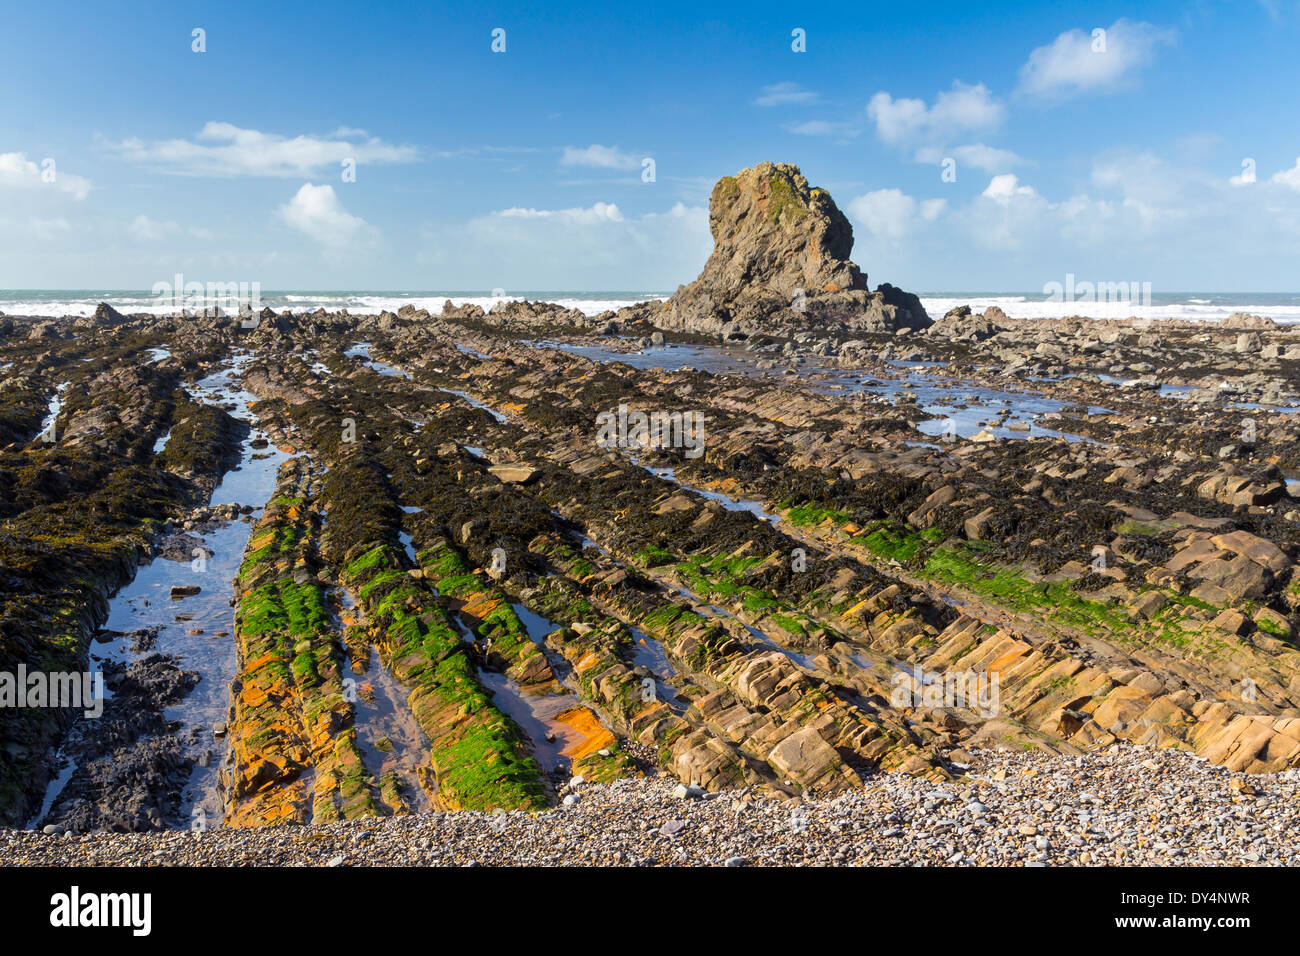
<point x="1006" y="215"/>
<point x="1005" y="188"/>
<point x="1153" y="189"/>
<point x="986" y="158"/>
<point x="892" y="214"/>
<point x="18" y="172"/>
<point x="1077" y="62"/>
<point x="976" y="155"/>
<point x="784" y="94"/>
<point x="1139" y="208"/>
<point x="932" y="209"/>
<point x="599" y="157"/>
<point x="316" y="212"/>
<point x="1288" y="177"/>
<point x="222" y="149"/>
<point x="598" y="212"/>
<point x="1083" y="221"/>
<point x="963" y="109"/>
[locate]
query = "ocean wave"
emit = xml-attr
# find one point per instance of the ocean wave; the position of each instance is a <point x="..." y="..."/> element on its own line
<point x="54" y="305"/>
<point x="1200" y="310"/>
<point x="361" y="304"/>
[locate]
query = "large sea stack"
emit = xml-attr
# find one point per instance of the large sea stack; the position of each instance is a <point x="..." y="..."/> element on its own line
<point x="781" y="261"/>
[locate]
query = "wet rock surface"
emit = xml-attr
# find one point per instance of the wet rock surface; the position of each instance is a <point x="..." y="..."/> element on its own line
<point x="84" y="497"/>
<point x="878" y="557"/>
<point x="131" y="761"/>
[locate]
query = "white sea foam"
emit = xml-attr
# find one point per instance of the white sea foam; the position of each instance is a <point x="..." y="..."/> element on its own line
<point x="358" y="304"/>
<point x="1191" y="307"/>
<point x="1195" y="309"/>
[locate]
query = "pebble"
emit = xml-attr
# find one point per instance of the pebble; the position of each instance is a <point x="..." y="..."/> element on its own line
<point x="1183" y="811"/>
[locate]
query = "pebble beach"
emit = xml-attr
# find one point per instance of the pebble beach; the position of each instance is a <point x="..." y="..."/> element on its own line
<point x="1122" y="806"/>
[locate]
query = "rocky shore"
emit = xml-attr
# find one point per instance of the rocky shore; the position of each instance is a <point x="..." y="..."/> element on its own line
<point x="863" y="556"/>
<point x="1122" y="806"/>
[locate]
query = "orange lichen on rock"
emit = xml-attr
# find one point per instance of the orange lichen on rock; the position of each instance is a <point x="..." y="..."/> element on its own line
<point x="595" y="736"/>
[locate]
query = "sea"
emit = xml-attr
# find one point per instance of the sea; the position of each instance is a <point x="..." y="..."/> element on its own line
<point x="1201" y="306"/>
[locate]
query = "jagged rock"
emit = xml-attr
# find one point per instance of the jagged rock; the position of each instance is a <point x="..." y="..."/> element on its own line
<point x="910" y="312"/>
<point x="961" y="325"/>
<point x="105" y="314"/>
<point x="781" y="261"/>
<point x="409" y="311"/>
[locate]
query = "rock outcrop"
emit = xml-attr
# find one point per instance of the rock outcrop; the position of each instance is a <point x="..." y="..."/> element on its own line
<point x="963" y="325"/>
<point x="105" y="314"/>
<point x="781" y="261"/>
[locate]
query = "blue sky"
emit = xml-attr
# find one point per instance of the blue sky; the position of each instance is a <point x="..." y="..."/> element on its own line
<point x="1116" y="161"/>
